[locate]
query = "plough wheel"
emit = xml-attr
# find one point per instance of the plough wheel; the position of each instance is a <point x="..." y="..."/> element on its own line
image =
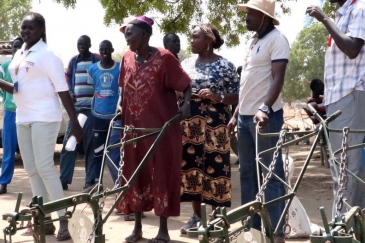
<point x="252" y="236"/>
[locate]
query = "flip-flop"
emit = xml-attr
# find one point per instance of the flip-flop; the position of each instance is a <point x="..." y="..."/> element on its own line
<point x="63" y="235"/>
<point x="133" y="238"/>
<point x="131" y="217"/>
<point x="28" y="232"/>
<point x="119" y="213"/>
<point x="155" y="240"/>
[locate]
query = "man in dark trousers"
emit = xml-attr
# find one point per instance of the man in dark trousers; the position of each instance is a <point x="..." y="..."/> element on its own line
<point x="82" y="92"/>
<point x="262" y="79"/>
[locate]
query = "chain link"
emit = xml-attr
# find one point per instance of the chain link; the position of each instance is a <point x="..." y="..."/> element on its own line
<point x="98" y="217"/>
<point x="117" y="183"/>
<point x="286" y="227"/>
<point x="279" y="144"/>
<point x="127" y="129"/>
<point x="342" y="178"/>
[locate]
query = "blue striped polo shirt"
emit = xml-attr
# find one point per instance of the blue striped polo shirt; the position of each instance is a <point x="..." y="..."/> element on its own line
<point x="83" y="91"/>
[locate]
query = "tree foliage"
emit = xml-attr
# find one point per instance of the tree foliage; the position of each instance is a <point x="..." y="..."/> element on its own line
<point x="11" y="15"/>
<point x="306" y="62"/>
<point x="179" y="16"/>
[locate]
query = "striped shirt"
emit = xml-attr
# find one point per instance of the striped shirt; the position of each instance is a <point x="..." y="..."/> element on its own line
<point x="342" y="74"/>
<point x="83" y="90"/>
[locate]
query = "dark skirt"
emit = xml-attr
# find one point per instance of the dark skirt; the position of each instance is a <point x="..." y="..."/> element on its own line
<point x="206" y="169"/>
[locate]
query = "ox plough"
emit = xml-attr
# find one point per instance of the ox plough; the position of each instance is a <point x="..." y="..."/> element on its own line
<point x="34" y="216"/>
<point x="345" y="227"/>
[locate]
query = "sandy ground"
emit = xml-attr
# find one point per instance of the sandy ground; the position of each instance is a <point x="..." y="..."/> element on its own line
<point x="314" y="191"/>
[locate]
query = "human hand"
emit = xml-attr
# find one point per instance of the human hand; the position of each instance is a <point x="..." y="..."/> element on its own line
<point x="231" y="126"/>
<point x="205" y="93"/>
<point x="316" y="12"/>
<point x="261" y="118"/>
<point x="76" y="131"/>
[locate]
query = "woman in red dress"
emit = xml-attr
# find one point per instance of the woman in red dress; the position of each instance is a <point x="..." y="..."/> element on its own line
<point x="149" y="77"/>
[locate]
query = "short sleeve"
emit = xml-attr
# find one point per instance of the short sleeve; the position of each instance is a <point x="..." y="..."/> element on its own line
<point x="356" y="27"/>
<point x="2" y="72"/>
<point x="55" y="72"/>
<point x="279" y="51"/>
<point x="89" y="76"/>
<point x="174" y="75"/>
<point x="231" y="79"/>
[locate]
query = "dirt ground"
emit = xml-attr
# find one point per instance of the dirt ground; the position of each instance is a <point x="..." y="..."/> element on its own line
<point x="314" y="191"/>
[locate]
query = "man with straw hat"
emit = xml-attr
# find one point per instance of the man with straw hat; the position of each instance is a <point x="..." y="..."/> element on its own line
<point x="262" y="79"/>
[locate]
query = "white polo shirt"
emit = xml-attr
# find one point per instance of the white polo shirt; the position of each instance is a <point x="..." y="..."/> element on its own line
<point x="256" y="75"/>
<point x="41" y="75"/>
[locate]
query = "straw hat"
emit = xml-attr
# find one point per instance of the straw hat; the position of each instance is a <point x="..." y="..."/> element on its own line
<point x="265" y="6"/>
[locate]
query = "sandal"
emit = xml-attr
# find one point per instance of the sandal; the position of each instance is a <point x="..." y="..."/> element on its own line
<point x="49" y="229"/>
<point x="133" y="238"/>
<point x="155" y="240"/>
<point x="28" y="232"/>
<point x="131" y="217"/>
<point x="63" y="235"/>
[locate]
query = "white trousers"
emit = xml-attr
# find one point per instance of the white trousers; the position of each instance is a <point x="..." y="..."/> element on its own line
<point x="37" y="142"/>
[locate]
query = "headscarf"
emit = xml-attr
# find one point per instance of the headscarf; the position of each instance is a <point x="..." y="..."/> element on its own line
<point x="144" y="23"/>
<point x="207" y="31"/>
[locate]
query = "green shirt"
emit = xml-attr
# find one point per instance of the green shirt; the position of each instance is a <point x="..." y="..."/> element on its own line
<point x="8" y="102"/>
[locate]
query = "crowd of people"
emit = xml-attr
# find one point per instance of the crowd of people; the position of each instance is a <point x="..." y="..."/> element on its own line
<point x="149" y="87"/>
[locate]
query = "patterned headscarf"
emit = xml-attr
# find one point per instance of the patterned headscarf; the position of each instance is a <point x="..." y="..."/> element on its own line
<point x="207" y="31"/>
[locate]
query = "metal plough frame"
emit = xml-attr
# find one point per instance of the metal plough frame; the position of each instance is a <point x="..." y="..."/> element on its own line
<point x="218" y="230"/>
<point x="37" y="209"/>
<point x="349" y="228"/>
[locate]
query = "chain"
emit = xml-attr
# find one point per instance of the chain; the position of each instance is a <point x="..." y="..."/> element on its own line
<point x="342" y="179"/>
<point x="126" y="130"/>
<point x="279" y="144"/>
<point x="287" y="227"/>
<point x="98" y="217"/>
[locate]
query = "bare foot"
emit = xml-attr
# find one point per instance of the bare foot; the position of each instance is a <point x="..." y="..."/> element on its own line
<point x="134" y="237"/>
<point x="160" y="238"/>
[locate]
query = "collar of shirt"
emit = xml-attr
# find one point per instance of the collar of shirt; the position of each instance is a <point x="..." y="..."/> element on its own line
<point x="343" y="9"/>
<point x="263" y="34"/>
<point x="83" y="58"/>
<point x="34" y="48"/>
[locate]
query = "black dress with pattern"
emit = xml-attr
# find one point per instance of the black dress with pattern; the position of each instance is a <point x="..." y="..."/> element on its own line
<point x="205" y="169"/>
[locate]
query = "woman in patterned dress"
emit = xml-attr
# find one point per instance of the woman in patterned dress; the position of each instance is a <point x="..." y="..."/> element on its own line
<point x="206" y="171"/>
<point x="149" y="77"/>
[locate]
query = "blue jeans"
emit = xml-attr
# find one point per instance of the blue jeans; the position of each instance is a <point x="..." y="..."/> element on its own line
<point x="114" y="154"/>
<point x="10" y="143"/>
<point x="248" y="175"/>
<point x="68" y="158"/>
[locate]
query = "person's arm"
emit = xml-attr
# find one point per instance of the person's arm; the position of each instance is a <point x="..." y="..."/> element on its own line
<point x="185" y="108"/>
<point x="70" y="80"/>
<point x="349" y="45"/>
<point x="229" y="99"/>
<point x="278" y="74"/>
<point x="231" y="86"/>
<point x="233" y="122"/>
<point x="76" y="129"/>
<point x="6" y="86"/>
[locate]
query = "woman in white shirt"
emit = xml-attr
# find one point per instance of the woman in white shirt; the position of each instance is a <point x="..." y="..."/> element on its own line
<point x="39" y="82"/>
